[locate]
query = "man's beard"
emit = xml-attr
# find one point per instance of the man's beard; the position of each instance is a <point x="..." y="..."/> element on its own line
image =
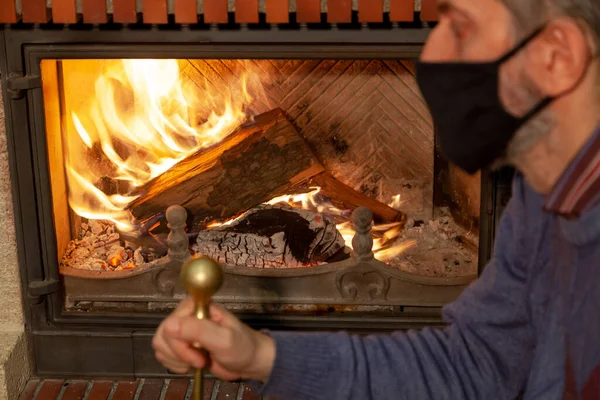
<point x="534" y="130"/>
<point x="527" y="96"/>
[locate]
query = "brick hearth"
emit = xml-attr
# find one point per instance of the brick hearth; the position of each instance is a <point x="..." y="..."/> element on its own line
<point x="142" y="389"/>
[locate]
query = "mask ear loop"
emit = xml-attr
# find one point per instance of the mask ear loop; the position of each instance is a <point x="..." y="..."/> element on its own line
<point x="539" y="107"/>
<point x="521" y="44"/>
<point x="545" y="101"/>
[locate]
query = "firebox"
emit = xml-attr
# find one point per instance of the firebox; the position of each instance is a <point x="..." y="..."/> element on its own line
<point x="301" y="157"/>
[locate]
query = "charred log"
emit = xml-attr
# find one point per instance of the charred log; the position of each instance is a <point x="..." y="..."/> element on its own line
<point x="273" y="237"/>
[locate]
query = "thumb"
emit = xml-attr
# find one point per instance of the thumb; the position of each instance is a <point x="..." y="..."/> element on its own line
<point x="185" y="308"/>
<point x="221" y="316"/>
<point x="172" y="326"/>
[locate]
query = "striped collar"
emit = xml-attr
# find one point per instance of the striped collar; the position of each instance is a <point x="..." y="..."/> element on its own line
<point x="578" y="189"/>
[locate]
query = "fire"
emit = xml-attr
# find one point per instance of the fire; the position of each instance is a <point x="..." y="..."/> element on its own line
<point x="388" y="253"/>
<point x="308" y="201"/>
<point x="396" y="202"/>
<point x="142" y="119"/>
<point x="385" y="246"/>
<point x="345" y="228"/>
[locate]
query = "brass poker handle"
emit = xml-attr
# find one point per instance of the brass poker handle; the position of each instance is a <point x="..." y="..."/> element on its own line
<point x="201" y="278"/>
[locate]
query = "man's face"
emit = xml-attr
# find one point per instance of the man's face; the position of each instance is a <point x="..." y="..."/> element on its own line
<point x="484" y="30"/>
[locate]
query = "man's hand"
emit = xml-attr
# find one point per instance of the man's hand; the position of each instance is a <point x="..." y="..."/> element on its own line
<point x="235" y="350"/>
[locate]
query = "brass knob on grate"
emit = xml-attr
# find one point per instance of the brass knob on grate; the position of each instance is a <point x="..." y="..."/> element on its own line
<point x="201" y="278"/>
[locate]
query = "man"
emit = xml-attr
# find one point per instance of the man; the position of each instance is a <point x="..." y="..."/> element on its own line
<point x="512" y="81"/>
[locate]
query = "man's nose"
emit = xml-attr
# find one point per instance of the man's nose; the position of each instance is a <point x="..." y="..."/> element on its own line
<point x="439" y="46"/>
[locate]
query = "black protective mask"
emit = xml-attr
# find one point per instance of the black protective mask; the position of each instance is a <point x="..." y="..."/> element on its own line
<point x="472" y="127"/>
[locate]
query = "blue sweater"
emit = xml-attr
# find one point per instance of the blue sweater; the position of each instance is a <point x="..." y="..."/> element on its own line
<point x="530" y="323"/>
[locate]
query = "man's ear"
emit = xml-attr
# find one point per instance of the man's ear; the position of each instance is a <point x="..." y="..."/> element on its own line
<point x="560" y="57"/>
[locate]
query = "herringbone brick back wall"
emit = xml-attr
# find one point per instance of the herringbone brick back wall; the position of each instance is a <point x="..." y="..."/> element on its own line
<point x="365" y="119"/>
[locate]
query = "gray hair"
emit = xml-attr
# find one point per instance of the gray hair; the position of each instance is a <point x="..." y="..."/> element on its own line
<point x="530" y="14"/>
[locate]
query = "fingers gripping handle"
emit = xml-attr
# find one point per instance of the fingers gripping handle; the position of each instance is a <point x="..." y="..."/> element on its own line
<point x="201" y="278"/>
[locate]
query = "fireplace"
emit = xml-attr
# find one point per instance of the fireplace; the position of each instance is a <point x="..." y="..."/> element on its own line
<point x="301" y="157"/>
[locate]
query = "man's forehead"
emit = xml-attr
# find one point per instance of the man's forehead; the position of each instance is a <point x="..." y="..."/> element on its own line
<point x="472" y="8"/>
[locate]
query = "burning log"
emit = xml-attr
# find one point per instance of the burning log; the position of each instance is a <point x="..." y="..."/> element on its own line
<point x="273" y="237"/>
<point x="344" y="197"/>
<point x="252" y="165"/>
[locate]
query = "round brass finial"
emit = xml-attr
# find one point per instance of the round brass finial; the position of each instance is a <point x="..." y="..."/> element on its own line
<point x="201" y="278"/>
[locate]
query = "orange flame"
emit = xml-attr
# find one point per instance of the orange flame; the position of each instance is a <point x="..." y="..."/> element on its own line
<point x="396" y="202"/>
<point x="385" y="247"/>
<point x="141" y="120"/>
<point x="392" y="251"/>
<point x="307" y="201"/>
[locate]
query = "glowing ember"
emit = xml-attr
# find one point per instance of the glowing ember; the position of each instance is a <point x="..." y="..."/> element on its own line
<point x="116" y="260"/>
<point x="142" y="120"/>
